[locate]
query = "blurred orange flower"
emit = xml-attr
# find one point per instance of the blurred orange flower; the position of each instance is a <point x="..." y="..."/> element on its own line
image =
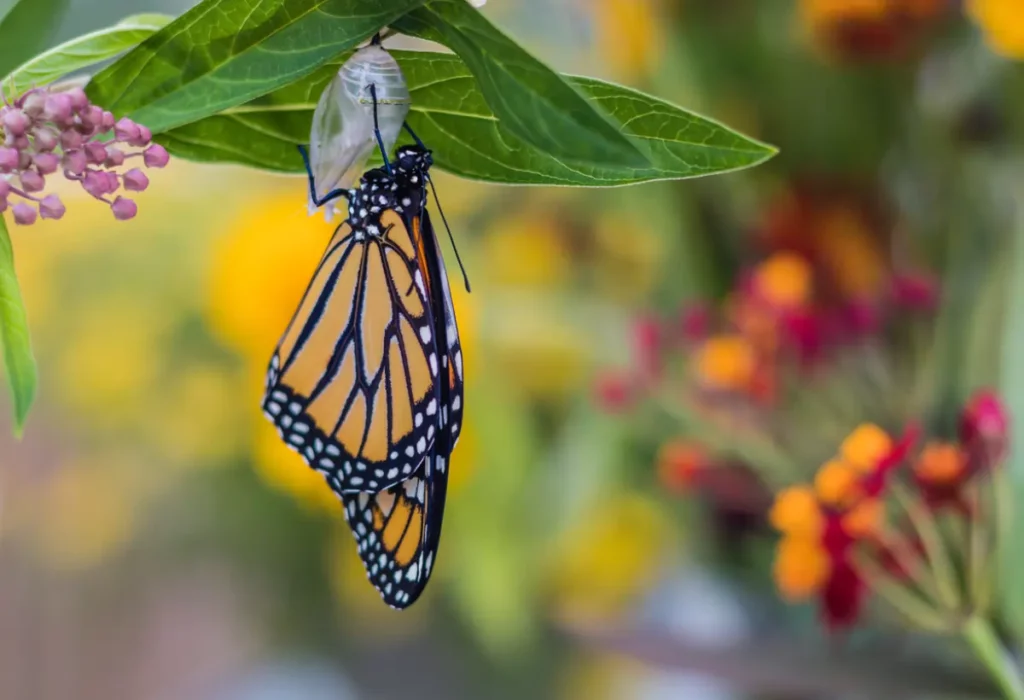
<point x="1002" y="22"/>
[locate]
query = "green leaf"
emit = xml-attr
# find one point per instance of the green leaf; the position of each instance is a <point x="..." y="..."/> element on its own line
<point x="531" y="101"/>
<point x="83" y="52"/>
<point x="451" y="115"/>
<point x="26" y="28"/>
<point x="222" y="53"/>
<point x="19" y="363"/>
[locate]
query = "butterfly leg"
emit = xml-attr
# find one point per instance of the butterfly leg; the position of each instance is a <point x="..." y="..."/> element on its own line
<point x="330" y="196"/>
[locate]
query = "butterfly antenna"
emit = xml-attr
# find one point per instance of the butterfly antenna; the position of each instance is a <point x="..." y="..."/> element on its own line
<point x="458" y="258"/>
<point x="376" y="130"/>
<point x="318" y="201"/>
<point x="414" y="136"/>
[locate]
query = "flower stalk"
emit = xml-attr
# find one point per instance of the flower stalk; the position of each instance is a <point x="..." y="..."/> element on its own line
<point x="982" y="639"/>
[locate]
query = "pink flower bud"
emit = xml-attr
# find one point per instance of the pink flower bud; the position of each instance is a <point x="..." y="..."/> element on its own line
<point x="647" y="346"/>
<point x="92" y="119"/>
<point x="95" y="152"/>
<point x="15" y="122"/>
<point x="135" y="180"/>
<point x="58" y="109"/>
<point x="145" y="136"/>
<point x="155" y="156"/>
<point x="126" y="130"/>
<point x="984" y="427"/>
<point x="51" y="207"/>
<point x="124" y="209"/>
<point x="79" y="100"/>
<point x="19" y="142"/>
<point x="46" y="163"/>
<point x="32" y="181"/>
<point x="71" y="139"/>
<point x="113" y="182"/>
<point x="3" y="204"/>
<point x="45" y="141"/>
<point x="5" y="188"/>
<point x="75" y="162"/>
<point x="33" y="103"/>
<point x="24" y="213"/>
<point x="8" y="159"/>
<point x="95" y="183"/>
<point x="107" y="121"/>
<point x="915" y="291"/>
<point x="24" y="160"/>
<point x="115" y="157"/>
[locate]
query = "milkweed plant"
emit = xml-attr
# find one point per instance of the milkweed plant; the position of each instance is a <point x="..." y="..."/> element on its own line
<point x="908" y="508"/>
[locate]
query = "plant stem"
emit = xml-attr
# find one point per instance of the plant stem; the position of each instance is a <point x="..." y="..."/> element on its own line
<point x="982" y="639"/>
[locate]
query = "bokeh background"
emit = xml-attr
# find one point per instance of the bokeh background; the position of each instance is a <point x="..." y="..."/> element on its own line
<point x="157" y="541"/>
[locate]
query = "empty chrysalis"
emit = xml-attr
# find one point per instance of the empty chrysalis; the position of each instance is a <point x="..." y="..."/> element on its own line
<point x="342" y="137"/>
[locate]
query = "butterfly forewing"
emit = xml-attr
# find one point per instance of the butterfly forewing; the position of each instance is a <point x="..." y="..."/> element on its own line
<point x="351" y="386"/>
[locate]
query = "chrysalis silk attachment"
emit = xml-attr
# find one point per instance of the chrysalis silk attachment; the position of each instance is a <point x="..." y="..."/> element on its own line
<point x="342" y="138"/>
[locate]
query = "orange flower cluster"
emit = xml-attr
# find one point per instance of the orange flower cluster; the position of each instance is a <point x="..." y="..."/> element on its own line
<point x="824" y="526"/>
<point x="821" y="524"/>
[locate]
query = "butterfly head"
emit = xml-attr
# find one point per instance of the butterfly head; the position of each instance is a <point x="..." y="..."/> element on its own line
<point x="413" y="159"/>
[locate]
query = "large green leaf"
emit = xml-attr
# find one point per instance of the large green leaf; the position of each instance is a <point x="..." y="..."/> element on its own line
<point x="82" y="52"/>
<point x="453" y="118"/>
<point x="26" y="28"/>
<point x="222" y="53"/>
<point x="19" y="363"/>
<point x="531" y="101"/>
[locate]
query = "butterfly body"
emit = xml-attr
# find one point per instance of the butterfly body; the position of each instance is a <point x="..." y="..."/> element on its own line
<point x="366" y="382"/>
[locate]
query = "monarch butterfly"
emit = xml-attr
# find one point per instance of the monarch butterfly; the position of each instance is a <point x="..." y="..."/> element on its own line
<point x="367" y="381"/>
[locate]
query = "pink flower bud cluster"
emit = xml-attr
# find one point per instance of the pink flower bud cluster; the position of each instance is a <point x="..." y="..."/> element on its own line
<point x="45" y="132"/>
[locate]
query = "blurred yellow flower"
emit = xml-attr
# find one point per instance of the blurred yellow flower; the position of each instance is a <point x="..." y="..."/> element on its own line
<point x="548" y="359"/>
<point x="628" y="257"/>
<point x="610" y="554"/>
<point x="1002" y="22"/>
<point x="260" y="269"/>
<point x="630" y="35"/>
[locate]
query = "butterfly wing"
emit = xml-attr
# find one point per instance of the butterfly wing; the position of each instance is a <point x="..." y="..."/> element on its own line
<point x="352" y="384"/>
<point x="398" y="531"/>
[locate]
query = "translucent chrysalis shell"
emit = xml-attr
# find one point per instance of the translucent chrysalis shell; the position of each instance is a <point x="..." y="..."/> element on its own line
<point x="342" y="137"/>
